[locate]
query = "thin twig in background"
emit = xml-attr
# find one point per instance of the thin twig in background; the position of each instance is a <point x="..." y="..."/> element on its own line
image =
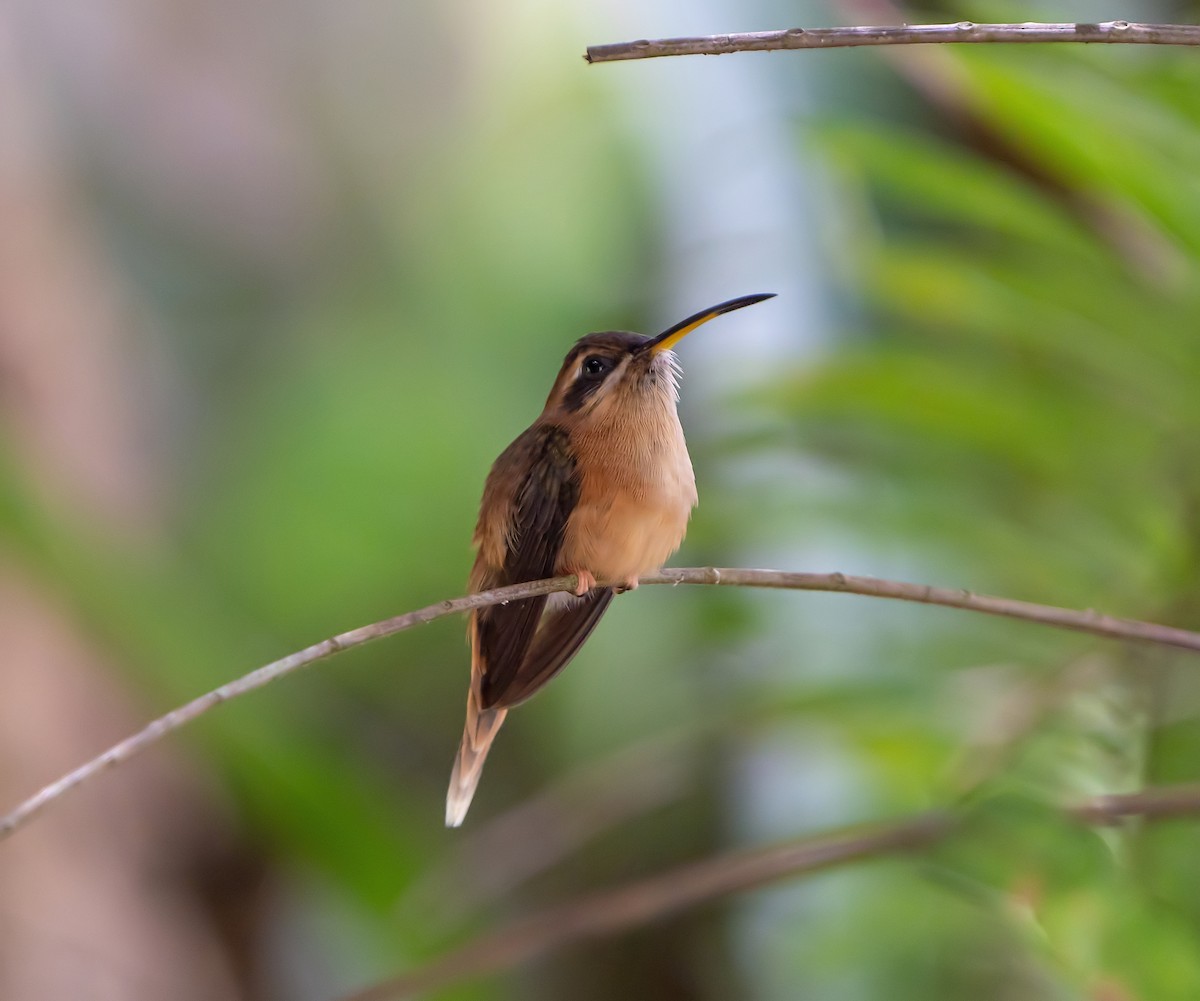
<point x="647" y="900"/>
<point x="650" y="899"/>
<point x="936" y="73"/>
<point x="1160" y="803"/>
<point x="1061" y="618"/>
<point x="1128" y="32"/>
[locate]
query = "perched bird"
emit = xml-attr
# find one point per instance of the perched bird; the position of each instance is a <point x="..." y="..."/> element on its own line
<point x="600" y="486"/>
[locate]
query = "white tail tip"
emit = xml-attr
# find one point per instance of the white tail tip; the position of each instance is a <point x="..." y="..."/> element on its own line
<point x="478" y="734"/>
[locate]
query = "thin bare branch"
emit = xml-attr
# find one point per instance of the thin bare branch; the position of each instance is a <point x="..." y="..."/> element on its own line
<point x="1087" y="621"/>
<point x="177" y="718"/>
<point x="648" y="900"/>
<point x="934" y="71"/>
<point x="1128" y="32"/>
<point x="1062" y="618"/>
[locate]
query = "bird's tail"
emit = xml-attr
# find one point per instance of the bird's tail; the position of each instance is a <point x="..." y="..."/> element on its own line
<point x="480" y="730"/>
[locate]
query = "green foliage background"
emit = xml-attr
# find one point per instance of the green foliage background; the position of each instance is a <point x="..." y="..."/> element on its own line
<point x="1010" y="403"/>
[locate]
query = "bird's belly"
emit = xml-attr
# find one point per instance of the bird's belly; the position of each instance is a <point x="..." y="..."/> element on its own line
<point x="624" y="536"/>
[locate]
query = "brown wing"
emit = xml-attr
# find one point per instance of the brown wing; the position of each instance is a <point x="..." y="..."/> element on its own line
<point x="559" y="638"/>
<point x="541" y="503"/>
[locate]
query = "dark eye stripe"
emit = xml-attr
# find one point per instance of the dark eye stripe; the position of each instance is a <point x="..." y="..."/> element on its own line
<point x="587" y="382"/>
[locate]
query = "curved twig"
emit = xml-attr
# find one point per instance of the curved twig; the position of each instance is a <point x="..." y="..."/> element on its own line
<point x="1129" y="32"/>
<point x="649" y="899"/>
<point x="1062" y="618"/>
<point x="1087" y="621"/>
<point x="643" y="901"/>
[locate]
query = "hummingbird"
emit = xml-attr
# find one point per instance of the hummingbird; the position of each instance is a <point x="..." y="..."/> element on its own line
<point x="600" y="487"/>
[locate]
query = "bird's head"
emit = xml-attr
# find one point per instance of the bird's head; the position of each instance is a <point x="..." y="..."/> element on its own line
<point x="617" y="370"/>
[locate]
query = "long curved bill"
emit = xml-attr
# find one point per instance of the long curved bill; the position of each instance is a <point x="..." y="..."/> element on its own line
<point x="673" y="335"/>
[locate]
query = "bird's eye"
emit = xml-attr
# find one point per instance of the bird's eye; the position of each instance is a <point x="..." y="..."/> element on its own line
<point x="595" y="365"/>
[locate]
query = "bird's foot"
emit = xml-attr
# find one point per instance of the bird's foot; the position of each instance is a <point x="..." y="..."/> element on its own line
<point x="586" y="581"/>
<point x="630" y="584"/>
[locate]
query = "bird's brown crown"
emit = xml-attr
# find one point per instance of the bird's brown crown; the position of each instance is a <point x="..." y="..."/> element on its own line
<point x="594" y="364"/>
<point x="623" y="368"/>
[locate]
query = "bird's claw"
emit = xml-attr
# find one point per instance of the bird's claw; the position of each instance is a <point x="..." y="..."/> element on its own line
<point x="585" y="582"/>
